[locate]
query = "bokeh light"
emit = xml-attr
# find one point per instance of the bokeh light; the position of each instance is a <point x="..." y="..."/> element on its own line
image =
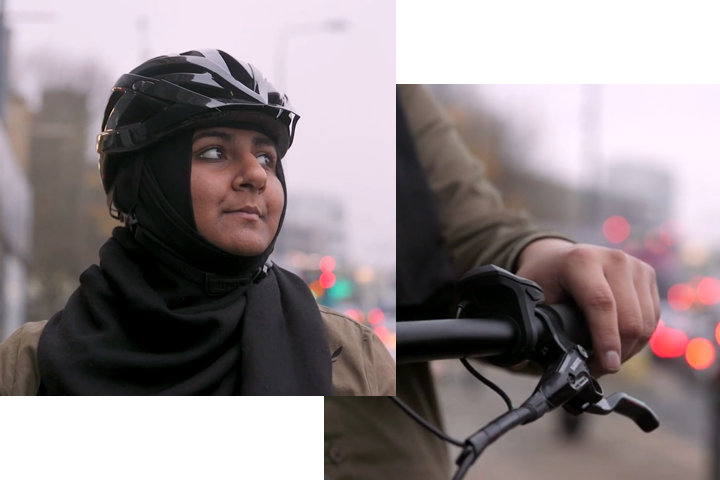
<point x="708" y="291"/>
<point x="342" y="289"/>
<point x="327" y="280"/>
<point x="327" y="264"/>
<point x="616" y="229"/>
<point x="364" y="275"/>
<point x="382" y="332"/>
<point x="681" y="297"/>
<point x="376" y="316"/>
<point x="700" y="353"/>
<point x="668" y="342"/>
<point x="317" y="289"/>
<point x="695" y="252"/>
<point x="391" y="341"/>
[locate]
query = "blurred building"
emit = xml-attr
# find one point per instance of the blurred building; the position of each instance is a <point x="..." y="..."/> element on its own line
<point x="69" y="203"/>
<point x="18" y="120"/>
<point x="314" y="224"/>
<point x="388" y="292"/>
<point x="649" y="187"/>
<point x="380" y="292"/>
<point x="4" y="59"/>
<point x="16" y="207"/>
<point x="639" y="192"/>
<point x="577" y="212"/>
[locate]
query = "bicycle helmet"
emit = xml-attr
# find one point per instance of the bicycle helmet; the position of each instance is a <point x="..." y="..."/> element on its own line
<point x="194" y="89"/>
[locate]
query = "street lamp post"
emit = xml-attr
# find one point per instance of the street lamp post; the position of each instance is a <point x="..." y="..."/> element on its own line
<point x="36" y="16"/>
<point x="295" y="30"/>
<point x="592" y="143"/>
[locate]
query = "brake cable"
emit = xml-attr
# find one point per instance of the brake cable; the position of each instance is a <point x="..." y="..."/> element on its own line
<point x="478" y="375"/>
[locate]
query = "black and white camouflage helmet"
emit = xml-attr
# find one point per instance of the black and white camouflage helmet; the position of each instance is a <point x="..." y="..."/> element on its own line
<point x="191" y="90"/>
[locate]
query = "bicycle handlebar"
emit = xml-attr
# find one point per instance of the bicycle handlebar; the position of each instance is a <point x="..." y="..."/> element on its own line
<point x="426" y="340"/>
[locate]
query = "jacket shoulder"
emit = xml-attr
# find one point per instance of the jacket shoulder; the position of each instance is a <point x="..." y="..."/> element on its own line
<point x="361" y="363"/>
<point x="19" y="374"/>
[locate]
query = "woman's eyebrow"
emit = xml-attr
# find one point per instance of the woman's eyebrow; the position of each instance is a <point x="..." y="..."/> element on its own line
<point x="263" y="141"/>
<point x="228" y="137"/>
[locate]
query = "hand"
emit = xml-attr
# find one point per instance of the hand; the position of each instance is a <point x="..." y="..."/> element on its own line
<point x="617" y="293"/>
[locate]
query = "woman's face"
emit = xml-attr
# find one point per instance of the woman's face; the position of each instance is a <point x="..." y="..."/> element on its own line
<point x="236" y="194"/>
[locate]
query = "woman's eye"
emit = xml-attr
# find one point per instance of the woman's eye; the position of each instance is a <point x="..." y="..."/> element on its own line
<point x="265" y="160"/>
<point x="212" y="154"/>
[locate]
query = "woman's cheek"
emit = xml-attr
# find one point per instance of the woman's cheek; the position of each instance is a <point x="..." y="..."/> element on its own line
<point x="278" y="197"/>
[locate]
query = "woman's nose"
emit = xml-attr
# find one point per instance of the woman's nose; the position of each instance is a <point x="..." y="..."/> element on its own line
<point x="250" y="174"/>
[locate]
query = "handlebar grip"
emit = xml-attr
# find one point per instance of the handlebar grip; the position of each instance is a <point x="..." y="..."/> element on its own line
<point x="570" y="318"/>
<point x="426" y="340"/>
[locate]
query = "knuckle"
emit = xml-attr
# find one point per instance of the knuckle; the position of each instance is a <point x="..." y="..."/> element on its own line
<point x="651" y="273"/>
<point x="632" y="328"/>
<point x="618" y="258"/>
<point x="580" y="256"/>
<point x="602" y="301"/>
<point x="645" y="272"/>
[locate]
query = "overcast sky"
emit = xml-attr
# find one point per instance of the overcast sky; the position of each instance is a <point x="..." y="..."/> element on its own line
<point x="674" y="127"/>
<point x="341" y="83"/>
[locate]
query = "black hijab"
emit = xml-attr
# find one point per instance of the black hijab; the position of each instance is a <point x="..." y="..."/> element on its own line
<point x="166" y="312"/>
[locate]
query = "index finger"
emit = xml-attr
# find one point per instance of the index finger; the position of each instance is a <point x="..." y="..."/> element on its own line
<point x="592" y="293"/>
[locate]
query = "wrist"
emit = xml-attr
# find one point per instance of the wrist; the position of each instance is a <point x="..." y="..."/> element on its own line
<point x="542" y="247"/>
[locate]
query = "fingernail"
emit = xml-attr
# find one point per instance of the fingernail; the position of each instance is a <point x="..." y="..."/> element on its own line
<point x="612" y="361"/>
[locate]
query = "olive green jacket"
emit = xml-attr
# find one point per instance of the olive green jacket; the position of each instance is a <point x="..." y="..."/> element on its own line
<point x="363" y="366"/>
<point x="367" y="439"/>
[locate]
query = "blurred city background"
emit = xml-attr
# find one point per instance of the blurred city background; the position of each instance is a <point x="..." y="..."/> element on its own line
<point x="624" y="166"/>
<point x="57" y="66"/>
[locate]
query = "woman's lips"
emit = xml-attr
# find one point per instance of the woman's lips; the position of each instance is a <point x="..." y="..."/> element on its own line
<point x="246" y="215"/>
<point x="246" y="212"/>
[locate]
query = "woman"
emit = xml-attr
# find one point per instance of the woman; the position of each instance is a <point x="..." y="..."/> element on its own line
<point x="185" y="300"/>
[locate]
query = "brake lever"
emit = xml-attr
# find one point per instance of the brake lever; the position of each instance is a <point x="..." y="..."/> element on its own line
<point x="568" y="383"/>
<point x="629" y="407"/>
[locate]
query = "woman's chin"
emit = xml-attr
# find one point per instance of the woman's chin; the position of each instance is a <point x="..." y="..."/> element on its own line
<point x="246" y="247"/>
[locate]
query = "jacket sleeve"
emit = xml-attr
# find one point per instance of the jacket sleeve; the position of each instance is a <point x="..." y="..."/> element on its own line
<point x="19" y="373"/>
<point x="476" y="227"/>
<point x="380" y="366"/>
<point x="362" y="366"/>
